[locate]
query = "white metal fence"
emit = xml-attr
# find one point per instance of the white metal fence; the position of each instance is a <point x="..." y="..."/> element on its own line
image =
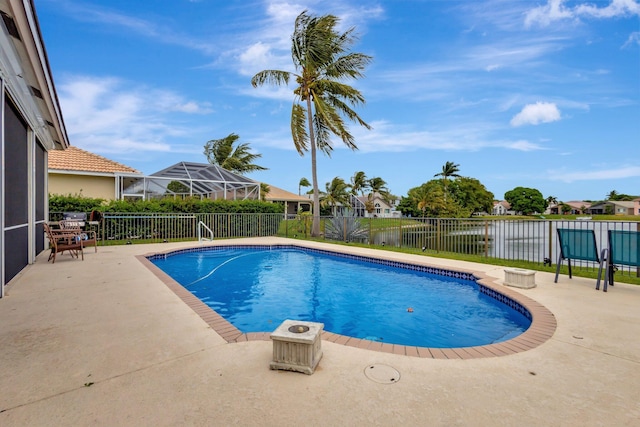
<point x="525" y="240"/>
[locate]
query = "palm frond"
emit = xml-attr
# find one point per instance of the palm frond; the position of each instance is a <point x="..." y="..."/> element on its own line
<point x="275" y="77"/>
<point x="323" y="135"/>
<point x="331" y="120"/>
<point x="351" y="65"/>
<point x="299" y="128"/>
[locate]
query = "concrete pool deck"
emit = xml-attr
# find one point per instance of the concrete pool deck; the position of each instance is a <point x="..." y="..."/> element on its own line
<point x="105" y="342"/>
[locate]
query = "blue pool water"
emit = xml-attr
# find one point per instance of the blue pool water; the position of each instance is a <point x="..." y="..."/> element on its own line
<point x="257" y="288"/>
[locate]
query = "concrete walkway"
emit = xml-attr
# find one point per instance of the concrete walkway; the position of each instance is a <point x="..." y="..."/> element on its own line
<point x="103" y="342"/>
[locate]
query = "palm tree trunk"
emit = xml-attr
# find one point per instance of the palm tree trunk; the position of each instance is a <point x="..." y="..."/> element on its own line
<point x="315" y="227"/>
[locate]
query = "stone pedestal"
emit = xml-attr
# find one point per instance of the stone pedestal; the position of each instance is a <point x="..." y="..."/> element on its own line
<point x="520" y="278"/>
<point x="297" y="346"/>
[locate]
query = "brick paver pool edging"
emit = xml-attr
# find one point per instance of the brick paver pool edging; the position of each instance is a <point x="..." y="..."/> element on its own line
<point x="543" y="322"/>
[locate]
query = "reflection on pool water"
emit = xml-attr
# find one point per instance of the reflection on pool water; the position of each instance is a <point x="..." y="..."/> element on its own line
<point x="256" y="288"/>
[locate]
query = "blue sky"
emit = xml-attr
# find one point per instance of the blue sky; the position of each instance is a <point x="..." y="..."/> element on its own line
<point x="518" y="93"/>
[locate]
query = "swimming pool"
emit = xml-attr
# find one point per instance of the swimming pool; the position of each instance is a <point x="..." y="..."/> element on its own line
<point x="256" y="287"/>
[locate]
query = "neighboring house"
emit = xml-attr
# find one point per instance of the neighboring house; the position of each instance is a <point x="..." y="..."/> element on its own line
<point x="577" y="207"/>
<point x="381" y="208"/>
<point x="501" y="207"/>
<point x="611" y="207"/>
<point x="32" y="126"/>
<point x="293" y="203"/>
<point x="78" y="172"/>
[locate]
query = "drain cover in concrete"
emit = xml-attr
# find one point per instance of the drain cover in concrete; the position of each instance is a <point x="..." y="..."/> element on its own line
<point x="382" y="374"/>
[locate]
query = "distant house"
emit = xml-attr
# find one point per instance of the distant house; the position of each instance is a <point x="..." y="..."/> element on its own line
<point x="577" y="207"/>
<point x="381" y="208"/>
<point x="293" y="203"/>
<point x="501" y="207"/>
<point x="78" y="172"/>
<point x="611" y="207"/>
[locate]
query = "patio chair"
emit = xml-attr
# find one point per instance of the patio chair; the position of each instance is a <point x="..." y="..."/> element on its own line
<point x="578" y="245"/>
<point x="60" y="241"/>
<point x="87" y="237"/>
<point x="624" y="249"/>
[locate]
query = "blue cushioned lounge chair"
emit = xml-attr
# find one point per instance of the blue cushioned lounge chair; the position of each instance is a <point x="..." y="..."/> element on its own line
<point x="578" y="245"/>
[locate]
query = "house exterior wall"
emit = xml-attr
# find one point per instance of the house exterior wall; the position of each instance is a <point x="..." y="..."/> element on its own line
<point x="32" y="126"/>
<point x="100" y="187"/>
<point x="382" y="210"/>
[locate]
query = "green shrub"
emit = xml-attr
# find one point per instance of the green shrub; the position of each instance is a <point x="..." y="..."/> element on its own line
<point x="60" y="203"/>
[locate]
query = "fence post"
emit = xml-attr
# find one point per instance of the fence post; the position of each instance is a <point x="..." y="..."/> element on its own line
<point x="637" y="268"/>
<point x="400" y="233"/>
<point x="344" y="228"/>
<point x="438" y="235"/>
<point x="486" y="238"/>
<point x="370" y="235"/>
<point x="550" y="239"/>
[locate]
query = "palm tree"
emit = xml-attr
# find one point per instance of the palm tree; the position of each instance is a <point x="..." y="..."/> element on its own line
<point x="551" y="200"/>
<point x="612" y="195"/>
<point x="304" y="182"/>
<point x="377" y="186"/>
<point x="322" y="63"/>
<point x="337" y="192"/>
<point x="240" y="160"/>
<point x="422" y="197"/>
<point x="449" y="169"/>
<point x="359" y="183"/>
<point x="264" y="191"/>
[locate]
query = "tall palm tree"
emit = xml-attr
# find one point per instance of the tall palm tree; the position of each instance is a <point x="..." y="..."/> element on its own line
<point x="612" y="195"/>
<point x="240" y="160"/>
<point x="322" y="63"/>
<point x="304" y="182"/>
<point x="449" y="169"/>
<point x="337" y="192"/>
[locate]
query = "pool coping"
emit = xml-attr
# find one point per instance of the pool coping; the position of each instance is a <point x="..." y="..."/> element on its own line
<point x="543" y="322"/>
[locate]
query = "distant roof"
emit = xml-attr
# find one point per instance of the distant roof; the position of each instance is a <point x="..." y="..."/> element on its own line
<point x="578" y="204"/>
<point x="504" y="203"/>
<point x="206" y="178"/>
<point x="76" y="159"/>
<point x="201" y="171"/>
<point x="276" y="194"/>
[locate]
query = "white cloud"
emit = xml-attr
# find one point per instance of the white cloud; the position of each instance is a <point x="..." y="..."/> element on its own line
<point x="108" y="115"/>
<point x="615" y="9"/>
<point x="545" y="15"/>
<point x="387" y="137"/>
<point x="634" y="38"/>
<point x="615" y="172"/>
<point x="534" y="114"/>
<point x="111" y="18"/>
<point x="555" y="10"/>
<point x="268" y="44"/>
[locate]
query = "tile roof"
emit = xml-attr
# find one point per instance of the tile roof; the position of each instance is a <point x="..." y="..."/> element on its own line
<point x="278" y="194"/>
<point x="76" y="159"/>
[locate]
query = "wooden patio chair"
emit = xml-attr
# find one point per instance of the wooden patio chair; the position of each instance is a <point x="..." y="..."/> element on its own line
<point x="578" y="245"/>
<point x="624" y="249"/>
<point x="87" y="237"/>
<point x="60" y="241"/>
